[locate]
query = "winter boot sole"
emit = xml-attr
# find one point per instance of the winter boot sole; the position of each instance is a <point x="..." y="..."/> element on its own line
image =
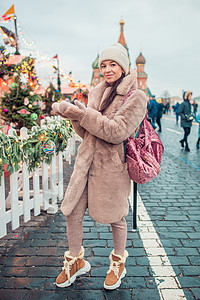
<point x="117" y="284"/>
<point x="80" y="272"/>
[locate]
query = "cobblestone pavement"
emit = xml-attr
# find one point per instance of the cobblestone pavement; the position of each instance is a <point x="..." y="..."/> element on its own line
<point x="164" y="253"/>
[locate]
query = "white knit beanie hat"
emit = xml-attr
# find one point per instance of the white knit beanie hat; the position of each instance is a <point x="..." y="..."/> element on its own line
<point x="117" y="53"/>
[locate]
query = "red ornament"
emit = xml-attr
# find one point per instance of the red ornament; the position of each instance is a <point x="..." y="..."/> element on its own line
<point x="42" y="116"/>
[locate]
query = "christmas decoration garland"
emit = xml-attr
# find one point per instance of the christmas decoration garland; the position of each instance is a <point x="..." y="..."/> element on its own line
<point x="40" y="145"/>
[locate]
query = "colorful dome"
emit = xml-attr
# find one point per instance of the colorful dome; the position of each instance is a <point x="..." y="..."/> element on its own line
<point x="95" y="64"/>
<point x="140" y="59"/>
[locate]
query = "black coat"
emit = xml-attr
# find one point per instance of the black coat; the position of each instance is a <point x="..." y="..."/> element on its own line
<point x="185" y="109"/>
<point x="160" y="110"/>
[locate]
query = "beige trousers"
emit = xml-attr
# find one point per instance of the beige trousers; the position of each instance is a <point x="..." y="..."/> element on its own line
<point x="75" y="229"/>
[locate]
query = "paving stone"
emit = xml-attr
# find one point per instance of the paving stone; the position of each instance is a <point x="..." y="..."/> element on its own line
<point x="90" y="235"/>
<point x="137" y="271"/>
<point x="196" y="292"/>
<point x="161" y="271"/>
<point x="100" y="229"/>
<point x="101" y="251"/>
<point x="171" y="294"/>
<point x="94" y="243"/>
<point x="186" y="251"/>
<point x="189" y="281"/>
<point x="136" y="252"/>
<point x="14" y="261"/>
<point x="118" y="295"/>
<point x="90" y="283"/>
<point x="17" y="251"/>
<point x="194" y="235"/>
<point x="194" y="260"/>
<point x="133" y="282"/>
<point x="43" y="272"/>
<point x="147" y="294"/>
<point x="6" y="282"/>
<point x="41" y="243"/>
<point x="159" y="251"/>
<point x="54" y="261"/>
<point x="191" y="243"/>
<point x="175" y="260"/>
<point x="146" y="261"/>
<point x="46" y="251"/>
<point x="190" y="270"/>
<point x="12" y="294"/>
<point x="110" y="243"/>
<point x="98" y="261"/>
<point x="28" y="283"/>
<point x="161" y="282"/>
<point x="44" y="295"/>
<point x="15" y="271"/>
<point x="99" y="271"/>
<point x="36" y="261"/>
<point x="173" y="235"/>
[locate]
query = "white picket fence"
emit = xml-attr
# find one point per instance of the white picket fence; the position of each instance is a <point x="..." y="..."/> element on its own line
<point x="44" y="193"/>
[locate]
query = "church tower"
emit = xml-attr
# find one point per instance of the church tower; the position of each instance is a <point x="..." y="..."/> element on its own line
<point x="121" y="39"/>
<point x="141" y="75"/>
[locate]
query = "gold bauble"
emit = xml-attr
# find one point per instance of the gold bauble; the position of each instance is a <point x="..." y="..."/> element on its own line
<point x="30" y="106"/>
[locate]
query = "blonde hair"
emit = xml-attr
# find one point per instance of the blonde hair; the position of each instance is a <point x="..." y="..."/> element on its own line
<point x="187" y="94"/>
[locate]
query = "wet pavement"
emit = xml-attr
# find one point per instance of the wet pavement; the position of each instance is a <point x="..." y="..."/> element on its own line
<point x="164" y="253"/>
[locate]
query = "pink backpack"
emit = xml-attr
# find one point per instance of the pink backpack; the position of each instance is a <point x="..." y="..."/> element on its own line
<point x="144" y="152"/>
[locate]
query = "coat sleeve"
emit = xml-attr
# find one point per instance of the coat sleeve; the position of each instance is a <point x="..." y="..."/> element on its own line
<point x="123" y="124"/>
<point x="181" y="111"/>
<point x="78" y="128"/>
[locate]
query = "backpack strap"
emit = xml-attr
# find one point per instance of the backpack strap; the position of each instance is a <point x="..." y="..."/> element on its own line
<point x="124" y="142"/>
<point x="128" y="95"/>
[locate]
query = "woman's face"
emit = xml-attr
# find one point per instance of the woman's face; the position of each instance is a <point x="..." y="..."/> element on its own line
<point x="111" y="71"/>
<point x="190" y="97"/>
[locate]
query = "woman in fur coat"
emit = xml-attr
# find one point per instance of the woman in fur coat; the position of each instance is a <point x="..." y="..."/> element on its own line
<point x="100" y="180"/>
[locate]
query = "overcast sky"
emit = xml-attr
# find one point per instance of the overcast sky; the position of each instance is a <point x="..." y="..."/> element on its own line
<point x="166" y="31"/>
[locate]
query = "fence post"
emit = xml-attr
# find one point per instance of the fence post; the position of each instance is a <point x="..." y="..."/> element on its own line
<point x="26" y="187"/>
<point x="45" y="186"/>
<point x="14" y="194"/>
<point x="3" y="228"/>
<point x="60" y="175"/>
<point x="53" y="207"/>
<point x="36" y="192"/>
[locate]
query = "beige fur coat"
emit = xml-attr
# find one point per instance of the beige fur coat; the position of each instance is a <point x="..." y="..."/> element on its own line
<point x="100" y="159"/>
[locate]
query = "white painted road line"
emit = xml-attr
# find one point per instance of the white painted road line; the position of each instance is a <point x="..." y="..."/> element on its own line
<point x="169" y="129"/>
<point x="168" y="285"/>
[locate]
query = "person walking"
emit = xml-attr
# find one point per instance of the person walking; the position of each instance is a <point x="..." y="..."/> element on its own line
<point x="195" y="107"/>
<point x="152" y="110"/>
<point x="186" y="118"/>
<point x="160" y="107"/>
<point x="198" y="121"/>
<point x="176" y="108"/>
<point x="100" y="180"/>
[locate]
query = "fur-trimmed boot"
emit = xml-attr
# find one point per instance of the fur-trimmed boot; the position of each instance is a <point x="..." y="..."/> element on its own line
<point x="116" y="271"/>
<point x="73" y="267"/>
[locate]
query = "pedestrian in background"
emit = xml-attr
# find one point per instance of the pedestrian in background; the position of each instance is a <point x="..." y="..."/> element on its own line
<point x="176" y="108"/>
<point x="186" y="118"/>
<point x="167" y="108"/>
<point x="195" y="107"/>
<point x="152" y="110"/>
<point x="160" y="107"/>
<point x="100" y="180"/>
<point x="198" y="121"/>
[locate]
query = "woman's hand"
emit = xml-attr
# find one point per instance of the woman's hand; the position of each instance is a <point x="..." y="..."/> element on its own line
<point x="80" y="105"/>
<point x="68" y="110"/>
